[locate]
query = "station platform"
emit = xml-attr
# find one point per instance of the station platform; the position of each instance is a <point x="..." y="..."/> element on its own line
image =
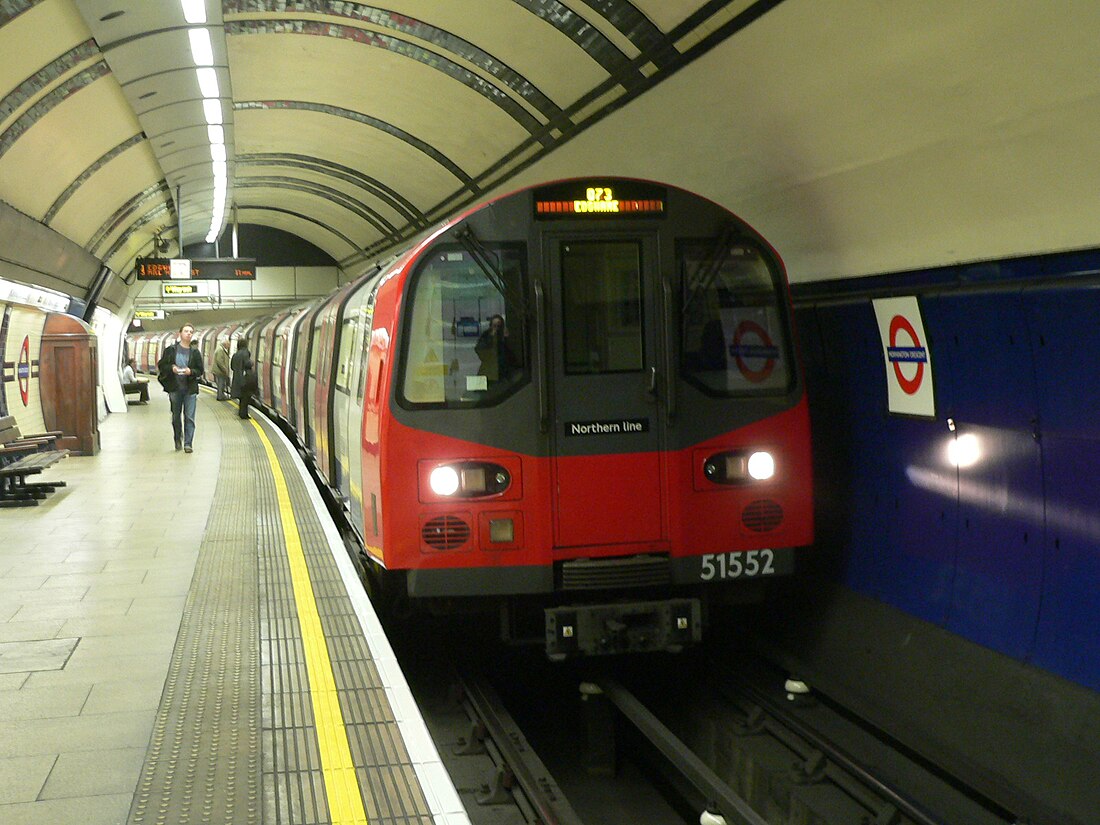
<point x="183" y="639"/>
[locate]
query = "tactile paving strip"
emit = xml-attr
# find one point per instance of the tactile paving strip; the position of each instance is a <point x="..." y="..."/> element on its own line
<point x="293" y="790"/>
<point x="226" y="699"/>
<point x="203" y="761"/>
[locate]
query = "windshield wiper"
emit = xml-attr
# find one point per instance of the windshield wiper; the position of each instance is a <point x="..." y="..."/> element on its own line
<point x="486" y="263"/>
<point x="710" y="267"/>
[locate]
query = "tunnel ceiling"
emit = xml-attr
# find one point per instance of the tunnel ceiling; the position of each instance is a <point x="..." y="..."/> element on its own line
<point x="348" y="124"/>
<point x="857" y="137"/>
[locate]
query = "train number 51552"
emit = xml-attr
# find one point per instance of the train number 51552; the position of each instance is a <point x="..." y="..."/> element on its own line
<point x="737" y="565"/>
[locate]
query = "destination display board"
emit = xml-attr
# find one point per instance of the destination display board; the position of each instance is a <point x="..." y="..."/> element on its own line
<point x="600" y="199"/>
<point x="184" y="290"/>
<point x="199" y="269"/>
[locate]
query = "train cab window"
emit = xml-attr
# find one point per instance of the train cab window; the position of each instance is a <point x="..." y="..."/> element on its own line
<point x="734" y="337"/>
<point x="602" y="323"/>
<point x="466" y="342"/>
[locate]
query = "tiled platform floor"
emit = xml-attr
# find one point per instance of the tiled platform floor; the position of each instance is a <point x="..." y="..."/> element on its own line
<point x="92" y="587"/>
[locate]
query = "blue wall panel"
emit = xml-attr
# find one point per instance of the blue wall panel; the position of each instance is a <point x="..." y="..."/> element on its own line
<point x="1066" y="325"/>
<point x="1004" y="550"/>
<point x="993" y="405"/>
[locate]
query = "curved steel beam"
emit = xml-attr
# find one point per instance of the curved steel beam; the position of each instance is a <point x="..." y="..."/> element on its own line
<point x="367" y="120"/>
<point x="39" y="110"/>
<point x="594" y="43"/>
<point x="34" y="84"/>
<point x="639" y="29"/>
<point x="110" y="155"/>
<point x="10" y="9"/>
<point x="390" y="197"/>
<point x="147" y="218"/>
<point x="243" y="206"/>
<point x="320" y="190"/>
<point x="464" y="50"/>
<point x="396" y="45"/>
<point x="124" y="212"/>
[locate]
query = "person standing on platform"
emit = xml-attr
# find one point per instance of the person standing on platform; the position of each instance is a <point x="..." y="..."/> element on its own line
<point x="178" y="371"/>
<point x="244" y="377"/>
<point x="221" y="369"/>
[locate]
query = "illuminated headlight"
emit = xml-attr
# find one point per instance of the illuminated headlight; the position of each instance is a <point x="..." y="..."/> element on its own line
<point x="761" y="466"/>
<point x="444" y="481"/>
<point x="739" y="467"/>
<point x="469" y="479"/>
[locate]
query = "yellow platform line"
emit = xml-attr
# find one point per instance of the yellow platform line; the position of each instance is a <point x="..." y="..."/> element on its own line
<point x="345" y="800"/>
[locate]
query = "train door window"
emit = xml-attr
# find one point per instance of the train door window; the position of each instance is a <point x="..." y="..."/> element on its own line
<point x="347" y="347"/>
<point x="364" y="344"/>
<point x="280" y="344"/>
<point x="602" y="323"/>
<point x="301" y="350"/>
<point x="734" y="334"/>
<point x="466" y="343"/>
<point x="315" y="350"/>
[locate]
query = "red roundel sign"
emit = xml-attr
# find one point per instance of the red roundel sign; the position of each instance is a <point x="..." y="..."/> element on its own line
<point x="765" y="349"/>
<point x="908" y="385"/>
<point x="23" y="369"/>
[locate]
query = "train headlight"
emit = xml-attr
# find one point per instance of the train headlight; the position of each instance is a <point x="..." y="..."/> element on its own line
<point x="444" y="481"/>
<point x="469" y="479"/>
<point x="739" y="467"/>
<point x="761" y="465"/>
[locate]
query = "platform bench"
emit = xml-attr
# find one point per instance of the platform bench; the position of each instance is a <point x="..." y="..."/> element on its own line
<point x="22" y="456"/>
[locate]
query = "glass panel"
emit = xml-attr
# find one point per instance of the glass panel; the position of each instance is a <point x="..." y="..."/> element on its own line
<point x="368" y="324"/>
<point x="734" y="335"/>
<point x="315" y="350"/>
<point x="347" y="345"/>
<point x="602" y="307"/>
<point x="466" y="339"/>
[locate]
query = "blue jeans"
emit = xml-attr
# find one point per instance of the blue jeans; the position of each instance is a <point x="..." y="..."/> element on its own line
<point x="183" y="403"/>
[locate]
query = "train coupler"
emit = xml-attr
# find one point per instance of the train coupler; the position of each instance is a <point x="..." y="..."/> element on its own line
<point x="622" y="627"/>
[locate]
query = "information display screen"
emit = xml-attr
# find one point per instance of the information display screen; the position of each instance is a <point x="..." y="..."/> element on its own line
<point x="202" y="269"/>
<point x="600" y="199"/>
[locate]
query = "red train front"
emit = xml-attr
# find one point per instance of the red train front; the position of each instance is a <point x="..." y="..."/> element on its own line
<point x="582" y="401"/>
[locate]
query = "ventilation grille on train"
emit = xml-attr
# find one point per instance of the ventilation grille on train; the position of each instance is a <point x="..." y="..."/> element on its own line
<point x="762" y="515"/>
<point x="445" y="533"/>
<point x="597" y="574"/>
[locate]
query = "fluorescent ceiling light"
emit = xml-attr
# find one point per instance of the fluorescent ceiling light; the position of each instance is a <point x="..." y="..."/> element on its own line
<point x="201" y="50"/>
<point x="220" y="170"/>
<point x="216" y="134"/>
<point x="217" y="151"/>
<point x="208" y="82"/>
<point x="213" y="111"/>
<point x="194" y="11"/>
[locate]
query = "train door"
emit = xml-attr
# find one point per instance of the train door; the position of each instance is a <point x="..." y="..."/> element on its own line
<point x="604" y="369"/>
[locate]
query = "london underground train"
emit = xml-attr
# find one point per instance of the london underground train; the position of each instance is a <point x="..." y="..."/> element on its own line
<point x="579" y="404"/>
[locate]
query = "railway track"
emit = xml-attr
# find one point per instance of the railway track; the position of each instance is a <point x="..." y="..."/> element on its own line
<point x="668" y="740"/>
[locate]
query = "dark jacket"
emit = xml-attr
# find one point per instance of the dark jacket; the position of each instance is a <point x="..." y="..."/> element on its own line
<point x="243" y="373"/>
<point x="169" y="380"/>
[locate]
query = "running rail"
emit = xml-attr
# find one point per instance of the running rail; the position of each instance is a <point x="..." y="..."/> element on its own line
<point x="732" y="807"/>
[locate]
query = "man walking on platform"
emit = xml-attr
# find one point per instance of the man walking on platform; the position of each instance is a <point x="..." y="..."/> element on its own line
<point x="221" y="369"/>
<point x="178" y="371"/>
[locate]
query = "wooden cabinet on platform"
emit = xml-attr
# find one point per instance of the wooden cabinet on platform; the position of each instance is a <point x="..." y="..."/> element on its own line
<point x="69" y="376"/>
